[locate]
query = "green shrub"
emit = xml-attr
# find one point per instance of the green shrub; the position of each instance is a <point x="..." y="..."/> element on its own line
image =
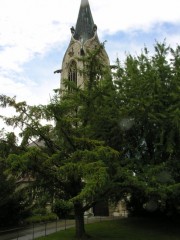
<point x="62" y="208"/>
<point x="39" y="211"/>
<point x="41" y="218"/>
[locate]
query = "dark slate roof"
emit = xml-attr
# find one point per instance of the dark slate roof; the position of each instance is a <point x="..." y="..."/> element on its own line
<point x="85" y="24"/>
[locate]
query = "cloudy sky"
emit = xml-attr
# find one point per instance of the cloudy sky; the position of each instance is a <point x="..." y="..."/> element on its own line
<point x="34" y="35"/>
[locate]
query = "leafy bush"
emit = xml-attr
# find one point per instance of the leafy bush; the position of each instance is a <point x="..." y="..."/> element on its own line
<point x="41" y="218"/>
<point x="40" y="211"/>
<point x="62" y="208"/>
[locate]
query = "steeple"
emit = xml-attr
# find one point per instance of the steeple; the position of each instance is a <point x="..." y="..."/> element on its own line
<point x="85" y="27"/>
<point x="84" y="38"/>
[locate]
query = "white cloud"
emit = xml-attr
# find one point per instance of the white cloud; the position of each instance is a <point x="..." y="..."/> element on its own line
<point x="116" y="15"/>
<point x="30" y="28"/>
<point x="33" y="26"/>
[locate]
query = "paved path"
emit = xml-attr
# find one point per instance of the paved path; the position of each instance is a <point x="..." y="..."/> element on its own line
<point x="38" y="230"/>
<point x="35" y="231"/>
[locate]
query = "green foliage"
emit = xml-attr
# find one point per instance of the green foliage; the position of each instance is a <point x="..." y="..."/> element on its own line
<point x="148" y="92"/>
<point x="115" y="137"/>
<point x="13" y="204"/>
<point x="41" y="218"/>
<point x="62" y="208"/>
<point x="8" y="144"/>
<point x="71" y="163"/>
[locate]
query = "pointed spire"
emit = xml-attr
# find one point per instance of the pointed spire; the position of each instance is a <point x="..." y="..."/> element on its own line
<point x="84" y="2"/>
<point x="85" y="27"/>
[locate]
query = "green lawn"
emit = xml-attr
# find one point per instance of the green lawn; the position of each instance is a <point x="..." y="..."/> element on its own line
<point x="125" y="229"/>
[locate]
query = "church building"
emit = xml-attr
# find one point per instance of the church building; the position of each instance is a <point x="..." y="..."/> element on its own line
<point x="83" y="37"/>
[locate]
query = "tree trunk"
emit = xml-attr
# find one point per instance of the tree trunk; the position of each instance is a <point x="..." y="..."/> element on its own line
<point x="79" y="218"/>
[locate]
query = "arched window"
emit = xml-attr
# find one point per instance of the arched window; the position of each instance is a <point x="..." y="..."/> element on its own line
<point x="72" y="74"/>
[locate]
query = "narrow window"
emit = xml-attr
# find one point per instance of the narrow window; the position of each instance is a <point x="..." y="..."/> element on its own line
<point x="72" y="75"/>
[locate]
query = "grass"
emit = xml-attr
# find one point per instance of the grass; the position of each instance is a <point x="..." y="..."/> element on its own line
<point x="125" y="229"/>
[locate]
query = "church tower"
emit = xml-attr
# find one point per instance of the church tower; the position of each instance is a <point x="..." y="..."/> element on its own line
<point x="83" y="36"/>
